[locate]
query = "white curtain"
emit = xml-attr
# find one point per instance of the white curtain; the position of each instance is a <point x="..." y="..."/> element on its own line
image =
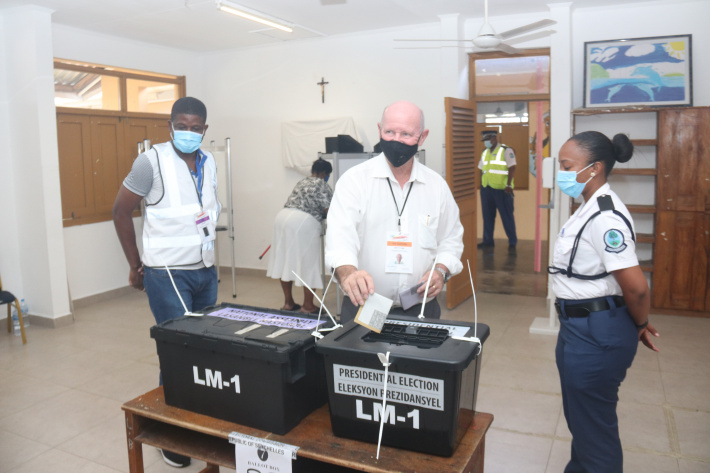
<point x="302" y="140"/>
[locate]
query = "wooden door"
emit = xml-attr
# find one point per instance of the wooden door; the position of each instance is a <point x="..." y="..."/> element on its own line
<point x="75" y="169"/>
<point x="681" y="270"/>
<point x="683" y="159"/>
<point x="517" y="136"/>
<point x="136" y="131"/>
<point x="107" y="148"/>
<point x="461" y="176"/>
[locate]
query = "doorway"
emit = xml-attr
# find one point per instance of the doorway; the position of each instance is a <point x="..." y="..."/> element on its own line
<point x="512" y="96"/>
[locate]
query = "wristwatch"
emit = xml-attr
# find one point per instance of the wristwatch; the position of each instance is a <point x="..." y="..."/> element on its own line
<point x="446" y="275"/>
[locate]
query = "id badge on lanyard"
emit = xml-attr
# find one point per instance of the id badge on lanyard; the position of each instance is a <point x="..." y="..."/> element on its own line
<point x="204" y="227"/>
<point x="399" y="254"/>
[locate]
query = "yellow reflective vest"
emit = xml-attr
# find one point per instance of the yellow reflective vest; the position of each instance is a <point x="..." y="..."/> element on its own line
<point x="495" y="169"/>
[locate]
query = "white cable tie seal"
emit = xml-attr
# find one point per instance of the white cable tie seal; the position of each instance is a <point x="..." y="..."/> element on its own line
<point x="426" y="290"/>
<point x="467" y="339"/>
<point x="322" y="305"/>
<point x="472" y="340"/>
<point x="187" y="312"/>
<point x="331" y="328"/>
<point x="475" y="313"/>
<point x="385" y="360"/>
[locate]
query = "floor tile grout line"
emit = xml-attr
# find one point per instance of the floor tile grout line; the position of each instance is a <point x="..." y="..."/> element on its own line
<point x="673" y="439"/>
<point x="671" y="454"/>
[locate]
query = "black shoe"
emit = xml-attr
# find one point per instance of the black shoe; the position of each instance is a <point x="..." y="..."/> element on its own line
<point x="485" y="245"/>
<point x="512" y="250"/>
<point x="175" y="459"/>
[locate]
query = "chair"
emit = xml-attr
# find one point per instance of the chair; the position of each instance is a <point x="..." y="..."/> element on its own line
<point x="9" y="299"/>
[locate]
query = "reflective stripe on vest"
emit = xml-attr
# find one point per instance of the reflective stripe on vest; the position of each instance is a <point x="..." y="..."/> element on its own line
<point x="495" y="168"/>
<point x="170" y="234"/>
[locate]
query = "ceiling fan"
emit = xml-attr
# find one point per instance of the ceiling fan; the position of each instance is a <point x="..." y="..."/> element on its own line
<point x="488" y="39"/>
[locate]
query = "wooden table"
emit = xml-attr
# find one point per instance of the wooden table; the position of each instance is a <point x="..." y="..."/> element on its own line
<point x="150" y="421"/>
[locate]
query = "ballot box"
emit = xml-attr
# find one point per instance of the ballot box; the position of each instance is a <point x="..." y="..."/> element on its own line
<point x="253" y="366"/>
<point x="430" y="377"/>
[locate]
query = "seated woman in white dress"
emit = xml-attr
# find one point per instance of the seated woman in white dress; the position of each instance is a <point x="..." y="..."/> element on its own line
<point x="295" y="245"/>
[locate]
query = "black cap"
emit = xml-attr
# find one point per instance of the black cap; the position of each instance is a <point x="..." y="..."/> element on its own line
<point x="485" y="134"/>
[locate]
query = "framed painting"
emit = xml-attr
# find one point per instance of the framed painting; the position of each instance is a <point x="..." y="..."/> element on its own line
<point x="653" y="72"/>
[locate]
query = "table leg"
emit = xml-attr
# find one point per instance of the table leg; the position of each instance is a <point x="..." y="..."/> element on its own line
<point x="135" y="449"/>
<point x="476" y="462"/>
<point x="211" y="469"/>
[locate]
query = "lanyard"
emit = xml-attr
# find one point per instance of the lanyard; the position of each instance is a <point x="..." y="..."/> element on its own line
<point x="199" y="165"/>
<point x="399" y="212"/>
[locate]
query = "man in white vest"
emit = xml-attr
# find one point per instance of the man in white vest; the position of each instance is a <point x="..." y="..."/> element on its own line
<point x="497" y="167"/>
<point x="178" y="181"/>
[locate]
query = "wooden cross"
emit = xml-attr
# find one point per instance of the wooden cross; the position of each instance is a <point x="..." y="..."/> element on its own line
<point x="322" y="84"/>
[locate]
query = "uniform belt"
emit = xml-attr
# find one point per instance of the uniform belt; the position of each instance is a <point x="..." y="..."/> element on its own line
<point x="583" y="309"/>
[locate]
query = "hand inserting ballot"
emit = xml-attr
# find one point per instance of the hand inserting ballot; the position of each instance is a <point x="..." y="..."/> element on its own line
<point x="357" y="284"/>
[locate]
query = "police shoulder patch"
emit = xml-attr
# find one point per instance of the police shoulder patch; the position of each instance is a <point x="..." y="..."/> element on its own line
<point x="614" y="241"/>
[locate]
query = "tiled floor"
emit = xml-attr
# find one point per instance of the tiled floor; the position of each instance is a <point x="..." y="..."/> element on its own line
<point x="61" y="394"/>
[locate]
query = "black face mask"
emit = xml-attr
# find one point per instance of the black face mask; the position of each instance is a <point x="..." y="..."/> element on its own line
<point x="397" y="152"/>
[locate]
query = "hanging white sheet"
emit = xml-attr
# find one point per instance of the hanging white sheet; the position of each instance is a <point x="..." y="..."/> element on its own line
<point x="303" y="140"/>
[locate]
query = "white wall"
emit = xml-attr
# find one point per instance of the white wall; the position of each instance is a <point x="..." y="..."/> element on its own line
<point x="253" y="91"/>
<point x="95" y="261"/>
<point x="659" y="18"/>
<point x="32" y="258"/>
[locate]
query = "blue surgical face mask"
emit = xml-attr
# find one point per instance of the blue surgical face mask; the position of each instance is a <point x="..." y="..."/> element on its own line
<point x="567" y="181"/>
<point x="327" y="176"/>
<point x="187" y="141"/>
<point x="487" y="143"/>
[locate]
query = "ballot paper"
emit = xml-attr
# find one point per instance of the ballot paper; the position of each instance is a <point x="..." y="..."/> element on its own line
<point x="373" y="313"/>
<point x="408" y="297"/>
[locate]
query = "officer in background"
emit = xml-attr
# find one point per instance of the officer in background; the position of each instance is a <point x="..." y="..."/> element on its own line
<point x="497" y="167"/>
<point x="602" y="301"/>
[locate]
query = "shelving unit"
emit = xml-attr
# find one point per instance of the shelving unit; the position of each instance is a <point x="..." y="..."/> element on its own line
<point x="679" y="266"/>
<point x="644" y="174"/>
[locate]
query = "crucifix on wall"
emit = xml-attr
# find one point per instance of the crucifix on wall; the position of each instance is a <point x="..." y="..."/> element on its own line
<point x="322" y="84"/>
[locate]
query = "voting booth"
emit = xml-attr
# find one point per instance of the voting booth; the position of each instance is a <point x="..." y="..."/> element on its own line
<point x="256" y="367"/>
<point x="431" y="376"/>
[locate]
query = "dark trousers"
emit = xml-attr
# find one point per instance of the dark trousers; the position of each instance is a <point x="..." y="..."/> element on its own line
<point x="432" y="310"/>
<point x="593" y="354"/>
<point x="497" y="199"/>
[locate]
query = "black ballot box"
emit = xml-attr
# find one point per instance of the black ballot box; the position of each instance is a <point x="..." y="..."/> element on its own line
<point x="252" y="366"/>
<point x="431" y="376"/>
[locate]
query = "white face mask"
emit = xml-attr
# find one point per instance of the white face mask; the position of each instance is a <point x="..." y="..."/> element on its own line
<point x="487" y="144"/>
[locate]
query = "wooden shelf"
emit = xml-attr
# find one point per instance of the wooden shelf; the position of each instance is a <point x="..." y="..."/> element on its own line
<point x="645" y="238"/>
<point x="634" y="171"/>
<point x="634" y="209"/>
<point x="642" y="209"/>
<point x="645" y="142"/>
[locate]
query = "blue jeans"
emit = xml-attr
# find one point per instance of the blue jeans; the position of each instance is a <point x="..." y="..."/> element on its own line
<point x="198" y="289"/>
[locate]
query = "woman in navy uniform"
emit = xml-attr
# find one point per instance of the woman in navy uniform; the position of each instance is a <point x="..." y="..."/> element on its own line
<point x="602" y="299"/>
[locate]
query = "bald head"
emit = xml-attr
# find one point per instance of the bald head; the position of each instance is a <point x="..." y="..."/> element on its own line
<point x="404" y="111"/>
<point x="404" y="122"/>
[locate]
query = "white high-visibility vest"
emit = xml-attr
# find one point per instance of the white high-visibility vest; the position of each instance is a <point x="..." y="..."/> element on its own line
<point x="170" y="235"/>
